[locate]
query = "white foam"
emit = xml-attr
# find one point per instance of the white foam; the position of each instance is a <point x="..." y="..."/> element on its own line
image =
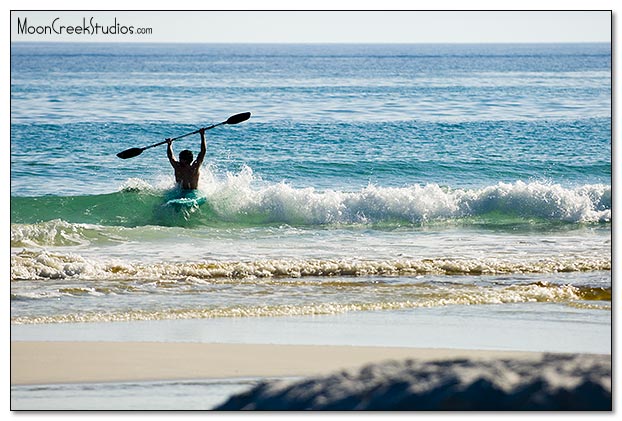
<point x="59" y="233"/>
<point x="244" y="197"/>
<point x="55" y="232"/>
<point x="419" y="296"/>
<point x="47" y="265"/>
<point x="136" y="184"/>
<point x="241" y="197"/>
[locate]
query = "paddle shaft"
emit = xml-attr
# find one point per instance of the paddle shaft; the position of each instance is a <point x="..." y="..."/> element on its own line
<point x="234" y="119"/>
<point x="183" y="135"/>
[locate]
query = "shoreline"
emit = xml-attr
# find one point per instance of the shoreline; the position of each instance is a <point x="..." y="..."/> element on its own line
<point x="55" y="362"/>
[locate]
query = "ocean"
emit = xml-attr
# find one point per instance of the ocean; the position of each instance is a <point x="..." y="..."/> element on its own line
<point x="369" y="180"/>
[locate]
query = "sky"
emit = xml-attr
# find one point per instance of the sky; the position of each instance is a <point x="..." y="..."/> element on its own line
<point x="316" y="26"/>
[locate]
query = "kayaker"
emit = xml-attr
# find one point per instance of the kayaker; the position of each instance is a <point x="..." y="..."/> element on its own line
<point x="186" y="171"/>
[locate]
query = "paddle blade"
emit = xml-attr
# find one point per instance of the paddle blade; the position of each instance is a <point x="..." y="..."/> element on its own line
<point x="130" y="153"/>
<point x="238" y="118"/>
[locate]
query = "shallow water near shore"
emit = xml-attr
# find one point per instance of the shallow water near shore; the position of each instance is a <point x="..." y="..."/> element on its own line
<point x="539" y="328"/>
<point x="533" y="327"/>
<point x="128" y="396"/>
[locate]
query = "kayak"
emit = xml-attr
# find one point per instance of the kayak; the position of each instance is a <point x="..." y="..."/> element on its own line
<point x="187" y="199"/>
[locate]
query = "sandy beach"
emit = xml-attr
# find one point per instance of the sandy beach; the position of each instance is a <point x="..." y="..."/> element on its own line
<point x="142" y="375"/>
<point x="38" y="362"/>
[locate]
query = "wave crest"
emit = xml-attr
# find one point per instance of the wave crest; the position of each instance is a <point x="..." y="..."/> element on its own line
<point x="237" y="198"/>
<point x="45" y="265"/>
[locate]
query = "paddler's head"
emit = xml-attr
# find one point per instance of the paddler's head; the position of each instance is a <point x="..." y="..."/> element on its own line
<point x="185" y="157"/>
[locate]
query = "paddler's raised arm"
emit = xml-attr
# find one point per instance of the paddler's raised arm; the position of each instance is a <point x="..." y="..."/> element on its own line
<point x="169" y="152"/>
<point x="203" y="151"/>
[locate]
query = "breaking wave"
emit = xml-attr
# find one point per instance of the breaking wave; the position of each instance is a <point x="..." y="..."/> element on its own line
<point x="242" y="199"/>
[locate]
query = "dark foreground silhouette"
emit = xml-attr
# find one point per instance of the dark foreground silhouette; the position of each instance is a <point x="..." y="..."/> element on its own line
<point x="553" y="383"/>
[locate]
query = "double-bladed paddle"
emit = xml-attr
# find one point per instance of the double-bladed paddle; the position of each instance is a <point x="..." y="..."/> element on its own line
<point x="234" y="119"/>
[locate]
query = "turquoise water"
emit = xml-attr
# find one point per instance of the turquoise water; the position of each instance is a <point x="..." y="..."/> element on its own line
<point x="369" y="178"/>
